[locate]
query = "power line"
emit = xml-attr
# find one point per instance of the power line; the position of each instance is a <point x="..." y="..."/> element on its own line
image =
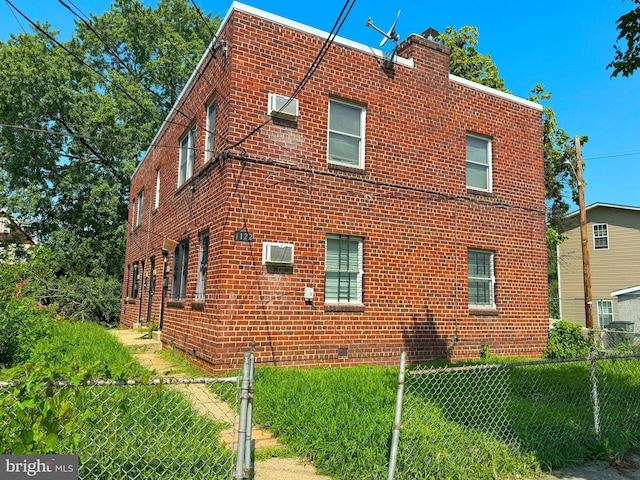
<point x="79" y="60"/>
<point x="213" y="35"/>
<point x="314" y="66"/>
<point x="613" y="155"/>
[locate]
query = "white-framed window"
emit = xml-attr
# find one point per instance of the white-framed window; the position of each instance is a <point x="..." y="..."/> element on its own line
<point x="203" y="261"/>
<point x="346" y="134"/>
<point x="211" y="127"/>
<point x="482" y="280"/>
<point x="343" y="269"/>
<point x="156" y="203"/>
<point x="187" y="156"/>
<point x="180" y="264"/>
<point x="605" y="313"/>
<point x="140" y="209"/>
<point x="600" y="236"/>
<point x="478" y="162"/>
<point x="5" y="227"/>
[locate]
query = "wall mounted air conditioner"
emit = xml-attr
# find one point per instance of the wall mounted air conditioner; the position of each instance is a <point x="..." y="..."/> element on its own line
<point x="278" y="107"/>
<point x="277" y="253"/>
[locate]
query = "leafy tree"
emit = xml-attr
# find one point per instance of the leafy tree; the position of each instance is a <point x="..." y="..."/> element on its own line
<point x="76" y="114"/>
<point x="466" y="62"/>
<point x="626" y="61"/>
<point x="559" y="149"/>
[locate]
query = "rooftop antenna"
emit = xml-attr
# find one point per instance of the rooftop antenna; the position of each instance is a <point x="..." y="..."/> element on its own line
<point x="392" y="35"/>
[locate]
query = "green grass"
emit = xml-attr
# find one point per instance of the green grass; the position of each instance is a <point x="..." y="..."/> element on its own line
<point x="502" y="423"/>
<point x="148" y="432"/>
<point x="497" y="423"/>
<point x="143" y="432"/>
<point x="89" y="345"/>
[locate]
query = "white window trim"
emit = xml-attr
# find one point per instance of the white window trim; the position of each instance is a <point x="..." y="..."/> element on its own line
<point x="140" y="209"/>
<point x="593" y="231"/>
<point x="489" y="162"/>
<point x="157" y="198"/>
<point x="203" y="260"/>
<point x="187" y="154"/>
<point x="5" y="226"/>
<point x="210" y="131"/>
<point x="363" y="118"/>
<point x="600" y="313"/>
<point x="492" y="279"/>
<point x="360" y="275"/>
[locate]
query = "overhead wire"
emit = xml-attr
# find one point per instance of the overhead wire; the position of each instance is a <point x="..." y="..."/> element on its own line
<point x="114" y="53"/>
<point x="82" y="62"/>
<point x="310" y="71"/>
<point x="81" y="14"/>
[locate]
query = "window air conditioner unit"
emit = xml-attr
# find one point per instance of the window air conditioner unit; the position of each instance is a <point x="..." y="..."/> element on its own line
<point x="278" y="107"/>
<point x="277" y="253"/>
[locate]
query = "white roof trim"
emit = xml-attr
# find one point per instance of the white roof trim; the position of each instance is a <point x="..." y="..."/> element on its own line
<point x="625" y="291"/>
<point x="605" y="205"/>
<point x="256" y="12"/>
<point x="497" y="93"/>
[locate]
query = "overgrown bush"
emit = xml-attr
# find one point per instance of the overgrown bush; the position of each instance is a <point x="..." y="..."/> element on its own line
<point x="22" y="324"/>
<point x="36" y="417"/>
<point x="567" y="341"/>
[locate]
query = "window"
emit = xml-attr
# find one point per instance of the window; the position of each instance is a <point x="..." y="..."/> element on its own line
<point x="478" y="163"/>
<point x="211" y="127"/>
<point x="203" y="260"/>
<point x="343" y="269"/>
<point x="187" y="156"/>
<point x="140" y="209"/>
<point x="135" y="284"/>
<point x="600" y="236"/>
<point x="480" y="264"/>
<point x="4" y="225"/>
<point x="346" y="134"/>
<point x="157" y="199"/>
<point x="179" y="283"/>
<point x="605" y="313"/>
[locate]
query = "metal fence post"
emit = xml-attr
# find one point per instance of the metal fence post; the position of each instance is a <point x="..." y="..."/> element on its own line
<point x="396" y="420"/>
<point x="248" y="459"/>
<point x="242" y="427"/>
<point x="594" y="395"/>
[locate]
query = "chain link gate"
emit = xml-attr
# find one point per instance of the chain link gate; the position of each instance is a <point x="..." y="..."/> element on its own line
<point x="182" y="428"/>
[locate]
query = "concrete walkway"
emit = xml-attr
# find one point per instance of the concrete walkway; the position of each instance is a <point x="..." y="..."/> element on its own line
<point x="145" y="351"/>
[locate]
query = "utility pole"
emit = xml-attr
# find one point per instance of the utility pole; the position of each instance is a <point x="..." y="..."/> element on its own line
<point x="586" y="266"/>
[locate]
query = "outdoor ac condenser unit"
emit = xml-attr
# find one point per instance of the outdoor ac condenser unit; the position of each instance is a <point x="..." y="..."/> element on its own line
<point x="281" y="107"/>
<point x="277" y="253"/>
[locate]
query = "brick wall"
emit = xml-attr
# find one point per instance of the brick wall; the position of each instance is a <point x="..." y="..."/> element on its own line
<point x="409" y="203"/>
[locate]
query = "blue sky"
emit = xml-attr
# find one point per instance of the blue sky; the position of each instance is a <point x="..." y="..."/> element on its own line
<point x="565" y="45"/>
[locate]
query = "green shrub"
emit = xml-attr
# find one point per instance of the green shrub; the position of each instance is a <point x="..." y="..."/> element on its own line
<point x="22" y="324"/>
<point x="566" y="341"/>
<point x="36" y="417"/>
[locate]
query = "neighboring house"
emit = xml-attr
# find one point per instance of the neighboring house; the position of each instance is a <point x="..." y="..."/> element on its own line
<point x="14" y="241"/>
<point x="613" y="239"/>
<point x="382" y="210"/>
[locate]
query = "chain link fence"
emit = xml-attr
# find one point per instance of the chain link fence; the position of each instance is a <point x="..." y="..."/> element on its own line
<point x="164" y="428"/>
<point x="547" y="410"/>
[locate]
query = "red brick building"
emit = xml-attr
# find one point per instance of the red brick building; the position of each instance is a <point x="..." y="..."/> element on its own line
<point x="382" y="210"/>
